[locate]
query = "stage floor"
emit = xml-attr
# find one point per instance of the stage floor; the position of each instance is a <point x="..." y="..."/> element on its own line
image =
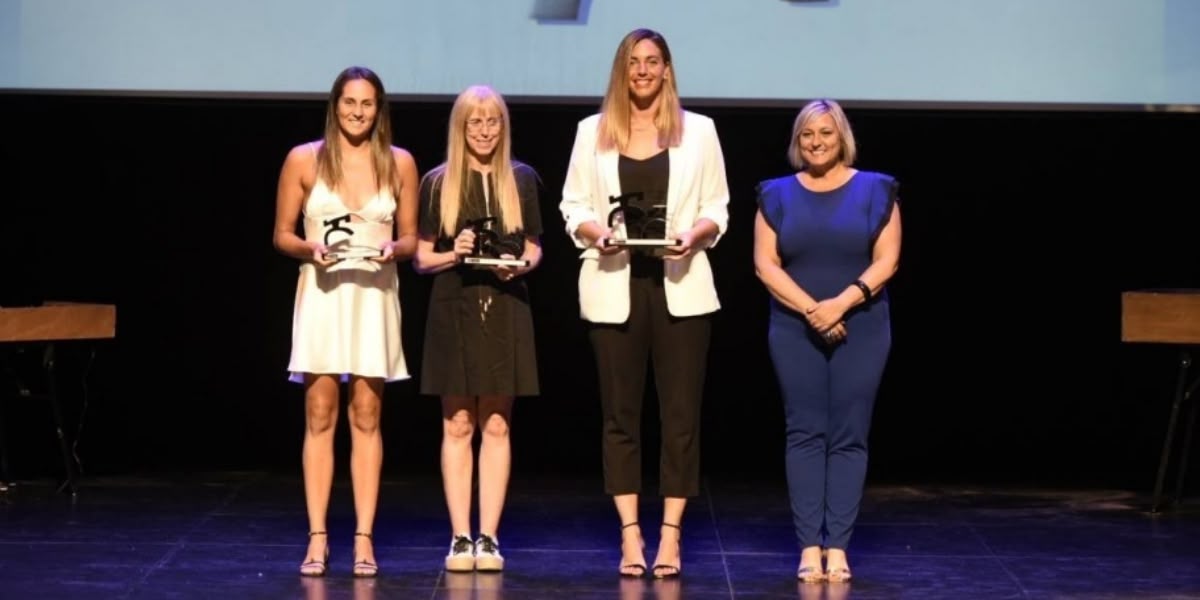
<point x="243" y="535"/>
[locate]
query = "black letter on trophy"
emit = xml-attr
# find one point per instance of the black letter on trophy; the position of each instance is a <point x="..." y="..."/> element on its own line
<point x="333" y="225"/>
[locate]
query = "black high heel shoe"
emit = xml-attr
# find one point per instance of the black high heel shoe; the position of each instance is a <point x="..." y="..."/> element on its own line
<point x="670" y="571"/>
<point x="365" y="568"/>
<point x="316" y="568"/>
<point x="632" y="570"/>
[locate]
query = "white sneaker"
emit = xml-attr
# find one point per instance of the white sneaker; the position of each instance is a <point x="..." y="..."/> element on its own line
<point x="462" y="554"/>
<point x="487" y="554"/>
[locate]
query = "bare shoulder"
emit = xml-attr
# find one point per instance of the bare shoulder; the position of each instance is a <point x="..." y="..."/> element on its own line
<point x="404" y="159"/>
<point x="302" y="157"/>
<point x="301" y="163"/>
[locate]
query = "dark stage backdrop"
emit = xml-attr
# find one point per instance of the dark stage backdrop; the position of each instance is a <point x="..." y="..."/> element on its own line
<point x="1021" y="229"/>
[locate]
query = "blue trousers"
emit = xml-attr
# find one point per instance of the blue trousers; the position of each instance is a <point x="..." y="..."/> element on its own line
<point x="828" y="395"/>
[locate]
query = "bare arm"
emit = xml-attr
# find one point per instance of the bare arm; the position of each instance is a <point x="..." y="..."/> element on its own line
<point x="885" y="259"/>
<point x="531" y="244"/>
<point x="406" y="206"/>
<point x="532" y="254"/>
<point x="769" y="268"/>
<point x="702" y="235"/>
<point x="705" y="233"/>
<point x="427" y="261"/>
<point x="590" y="233"/>
<point x="289" y="198"/>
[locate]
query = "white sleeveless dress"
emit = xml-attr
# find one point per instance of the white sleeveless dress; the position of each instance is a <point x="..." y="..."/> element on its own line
<point x="346" y="319"/>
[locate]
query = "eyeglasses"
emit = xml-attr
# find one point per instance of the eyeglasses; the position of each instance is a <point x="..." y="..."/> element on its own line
<point x="477" y="124"/>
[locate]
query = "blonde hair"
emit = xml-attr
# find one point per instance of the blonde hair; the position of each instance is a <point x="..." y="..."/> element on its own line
<point x="329" y="156"/>
<point x="615" y="110"/>
<point x="812" y="110"/>
<point x="451" y="179"/>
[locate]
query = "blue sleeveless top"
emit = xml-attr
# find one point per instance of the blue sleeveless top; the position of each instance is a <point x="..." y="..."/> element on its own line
<point x="825" y="239"/>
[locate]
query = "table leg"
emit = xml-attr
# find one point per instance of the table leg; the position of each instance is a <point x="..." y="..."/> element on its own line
<point x="1188" y="397"/>
<point x="48" y="361"/>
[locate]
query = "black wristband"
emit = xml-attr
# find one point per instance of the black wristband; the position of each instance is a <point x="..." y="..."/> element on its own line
<point x="864" y="288"/>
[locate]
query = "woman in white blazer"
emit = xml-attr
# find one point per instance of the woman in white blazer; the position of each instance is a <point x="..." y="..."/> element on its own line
<point x="647" y="304"/>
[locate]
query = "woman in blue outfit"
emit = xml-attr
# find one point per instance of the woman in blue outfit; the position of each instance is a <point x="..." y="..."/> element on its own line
<point x="826" y="242"/>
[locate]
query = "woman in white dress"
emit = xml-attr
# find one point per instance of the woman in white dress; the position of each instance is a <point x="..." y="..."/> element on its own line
<point x="357" y="195"/>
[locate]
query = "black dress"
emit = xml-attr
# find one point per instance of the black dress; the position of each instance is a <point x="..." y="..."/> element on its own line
<point x="479" y="330"/>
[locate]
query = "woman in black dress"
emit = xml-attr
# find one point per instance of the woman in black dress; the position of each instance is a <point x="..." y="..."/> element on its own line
<point x="479" y="351"/>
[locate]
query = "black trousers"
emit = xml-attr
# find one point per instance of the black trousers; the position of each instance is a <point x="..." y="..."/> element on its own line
<point x="678" y="348"/>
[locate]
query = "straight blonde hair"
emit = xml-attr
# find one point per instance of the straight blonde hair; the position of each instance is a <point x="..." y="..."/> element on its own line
<point x="616" y="108"/>
<point x="451" y="180"/>
<point x="812" y="110"/>
<point x="329" y="156"/>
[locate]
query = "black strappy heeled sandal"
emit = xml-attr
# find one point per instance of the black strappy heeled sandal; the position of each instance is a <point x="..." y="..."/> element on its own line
<point x="670" y="571"/>
<point x="633" y="570"/>
<point x="365" y="568"/>
<point x="316" y="568"/>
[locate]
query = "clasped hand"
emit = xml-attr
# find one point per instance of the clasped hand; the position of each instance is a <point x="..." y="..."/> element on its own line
<point x="826" y="318"/>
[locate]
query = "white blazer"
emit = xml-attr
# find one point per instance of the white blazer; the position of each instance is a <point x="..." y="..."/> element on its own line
<point x="696" y="189"/>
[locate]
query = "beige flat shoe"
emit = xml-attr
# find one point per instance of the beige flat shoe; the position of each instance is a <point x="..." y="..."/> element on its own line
<point x="838" y="575"/>
<point x="810" y="574"/>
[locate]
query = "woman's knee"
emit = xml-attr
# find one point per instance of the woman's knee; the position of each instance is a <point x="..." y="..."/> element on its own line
<point x="320" y="413"/>
<point x="364" y="415"/>
<point x="496" y="426"/>
<point x="459" y="426"/>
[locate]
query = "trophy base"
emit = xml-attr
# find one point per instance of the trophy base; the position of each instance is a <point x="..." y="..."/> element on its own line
<point x="348" y="253"/>
<point x="484" y="262"/>
<point x="652" y="247"/>
<point x="641" y="243"/>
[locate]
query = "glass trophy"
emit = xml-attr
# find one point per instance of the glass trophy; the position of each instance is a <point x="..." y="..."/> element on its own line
<point x="491" y="245"/>
<point x="347" y="252"/>
<point x="345" y="239"/>
<point x="645" y="224"/>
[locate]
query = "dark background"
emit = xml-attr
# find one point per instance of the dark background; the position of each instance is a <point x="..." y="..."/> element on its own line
<point x="1021" y="229"/>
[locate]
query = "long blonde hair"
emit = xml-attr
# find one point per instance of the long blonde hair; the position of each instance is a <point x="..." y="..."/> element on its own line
<point x="451" y="179"/>
<point x="329" y="156"/>
<point x="615" y="110"/>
